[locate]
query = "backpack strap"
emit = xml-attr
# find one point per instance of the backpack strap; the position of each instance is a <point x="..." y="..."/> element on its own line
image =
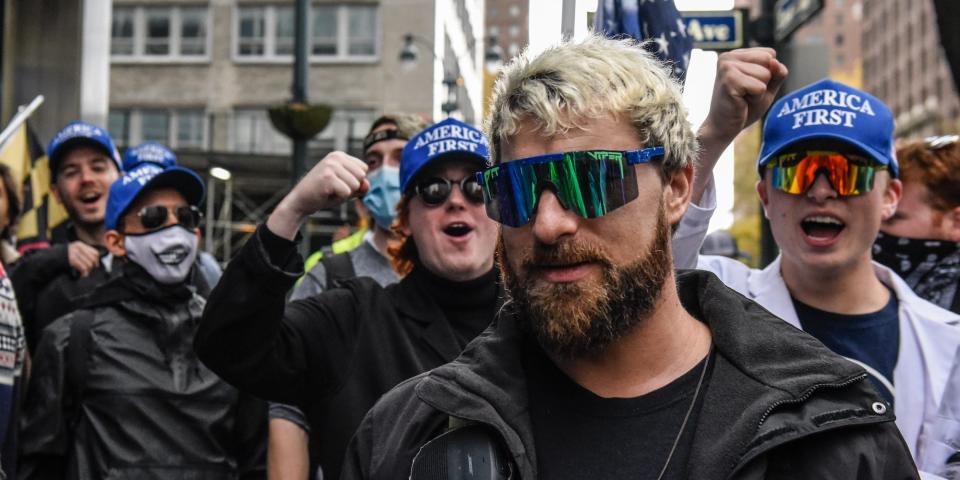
<point x="78" y="357"/>
<point x="338" y="267"/>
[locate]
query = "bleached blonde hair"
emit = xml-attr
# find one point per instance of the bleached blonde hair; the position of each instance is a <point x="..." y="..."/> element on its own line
<point x="595" y="77"/>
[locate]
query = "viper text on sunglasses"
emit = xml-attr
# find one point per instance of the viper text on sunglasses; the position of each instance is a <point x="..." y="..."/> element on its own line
<point x="588" y="183"/>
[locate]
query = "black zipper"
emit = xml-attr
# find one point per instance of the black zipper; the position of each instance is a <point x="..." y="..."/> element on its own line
<point x="808" y="393"/>
<point x="802" y="398"/>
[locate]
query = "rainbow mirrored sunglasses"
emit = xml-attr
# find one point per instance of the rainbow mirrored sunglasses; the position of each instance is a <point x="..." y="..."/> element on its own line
<point x="589" y="183"/>
<point x="849" y="174"/>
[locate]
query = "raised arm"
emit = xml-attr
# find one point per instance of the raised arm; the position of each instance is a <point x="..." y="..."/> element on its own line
<point x="746" y="84"/>
<point x="248" y="335"/>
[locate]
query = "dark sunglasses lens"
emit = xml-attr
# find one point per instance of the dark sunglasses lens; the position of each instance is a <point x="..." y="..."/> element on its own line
<point x="434" y="191"/>
<point x="153" y="216"/>
<point x="189" y="217"/>
<point x="472" y="190"/>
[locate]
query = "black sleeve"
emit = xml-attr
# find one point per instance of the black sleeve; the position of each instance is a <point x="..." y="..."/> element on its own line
<point x="33" y="271"/>
<point x="44" y="439"/>
<point x="253" y="340"/>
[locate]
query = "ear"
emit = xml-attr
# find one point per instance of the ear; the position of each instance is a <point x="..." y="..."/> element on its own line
<point x="676" y="194"/>
<point x="114" y="242"/>
<point x="764" y="198"/>
<point x="891" y="198"/>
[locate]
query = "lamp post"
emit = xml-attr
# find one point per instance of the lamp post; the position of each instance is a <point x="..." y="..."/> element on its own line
<point x="410" y="54"/>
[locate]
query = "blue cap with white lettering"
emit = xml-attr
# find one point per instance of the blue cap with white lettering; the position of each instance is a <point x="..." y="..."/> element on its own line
<point x="449" y="138"/>
<point x="152" y="152"/>
<point x="78" y="133"/>
<point x="149" y="175"/>
<point x="830" y="110"/>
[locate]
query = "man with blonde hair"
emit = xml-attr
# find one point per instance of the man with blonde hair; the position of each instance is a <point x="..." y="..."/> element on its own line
<point x="605" y="363"/>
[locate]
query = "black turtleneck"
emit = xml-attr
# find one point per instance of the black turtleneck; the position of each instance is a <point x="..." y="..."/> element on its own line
<point x="469" y="306"/>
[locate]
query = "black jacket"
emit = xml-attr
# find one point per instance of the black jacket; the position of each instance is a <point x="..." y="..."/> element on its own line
<point x="334" y="354"/>
<point x="46" y="284"/>
<point x="147" y="407"/>
<point x="778" y="405"/>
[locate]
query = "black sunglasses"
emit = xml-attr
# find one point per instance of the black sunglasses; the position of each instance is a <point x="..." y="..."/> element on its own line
<point x="434" y="191"/>
<point x="155" y="216"/>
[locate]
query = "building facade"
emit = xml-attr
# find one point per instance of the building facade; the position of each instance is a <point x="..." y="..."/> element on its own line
<point x="904" y="65"/>
<point x="200" y="76"/>
<point x="508" y="21"/>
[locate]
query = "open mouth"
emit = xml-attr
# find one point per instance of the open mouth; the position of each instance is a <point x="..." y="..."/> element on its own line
<point x="457" y="229"/>
<point x="822" y="227"/>
<point x="90" y="198"/>
<point x="173" y="255"/>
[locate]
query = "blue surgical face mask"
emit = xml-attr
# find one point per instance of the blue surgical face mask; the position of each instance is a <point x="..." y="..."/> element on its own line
<point x="383" y="196"/>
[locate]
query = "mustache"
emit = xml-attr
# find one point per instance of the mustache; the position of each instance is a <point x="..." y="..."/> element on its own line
<point x="564" y="253"/>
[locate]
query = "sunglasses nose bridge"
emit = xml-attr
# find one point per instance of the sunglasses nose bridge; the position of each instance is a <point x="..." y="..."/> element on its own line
<point x="548" y="186"/>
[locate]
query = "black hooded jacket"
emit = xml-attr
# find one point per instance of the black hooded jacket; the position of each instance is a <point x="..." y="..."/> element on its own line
<point x="146" y="407"/>
<point x="333" y="354"/>
<point x="778" y="404"/>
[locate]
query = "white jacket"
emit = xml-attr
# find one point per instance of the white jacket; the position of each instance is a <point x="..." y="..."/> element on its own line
<point x="926" y="361"/>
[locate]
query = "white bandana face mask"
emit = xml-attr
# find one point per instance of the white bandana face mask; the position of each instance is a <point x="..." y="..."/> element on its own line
<point x="166" y="254"/>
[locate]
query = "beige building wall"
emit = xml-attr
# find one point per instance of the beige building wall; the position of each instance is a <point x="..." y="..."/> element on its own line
<point x="225" y="82"/>
<point x="904" y="65"/>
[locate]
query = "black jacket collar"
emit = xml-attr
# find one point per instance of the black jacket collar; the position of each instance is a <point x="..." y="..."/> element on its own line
<point x="762" y="363"/>
<point x="413" y="300"/>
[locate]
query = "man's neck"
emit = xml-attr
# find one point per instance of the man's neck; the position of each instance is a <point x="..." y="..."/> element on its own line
<point x="659" y="350"/>
<point x="91" y="235"/>
<point x="848" y="290"/>
<point x="380" y="238"/>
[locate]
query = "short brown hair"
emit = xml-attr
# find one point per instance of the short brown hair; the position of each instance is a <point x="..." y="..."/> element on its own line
<point x="938" y="169"/>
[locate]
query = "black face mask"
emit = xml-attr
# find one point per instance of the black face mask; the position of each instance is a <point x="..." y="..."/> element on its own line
<point x="930" y="267"/>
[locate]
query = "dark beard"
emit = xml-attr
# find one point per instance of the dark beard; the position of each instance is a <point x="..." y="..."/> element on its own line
<point x="581" y="321"/>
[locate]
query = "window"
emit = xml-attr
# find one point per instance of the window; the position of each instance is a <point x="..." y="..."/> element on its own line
<point x="252" y="132"/>
<point x="514" y="31"/>
<point x="285" y="29"/>
<point x="122" y="32"/>
<point x="193" y="31"/>
<point x="324" y="37"/>
<point x="514" y="10"/>
<point x="150" y="34"/>
<point x="838" y="40"/>
<point x="190" y="129"/>
<point x="158" y="32"/>
<point x="118" y="124"/>
<point x="178" y="128"/>
<point x="345" y="132"/>
<point x="155" y="126"/>
<point x="336" y="32"/>
<point x="362" y="30"/>
<point x="252" y="31"/>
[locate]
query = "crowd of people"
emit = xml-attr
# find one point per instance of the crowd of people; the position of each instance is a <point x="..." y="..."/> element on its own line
<point x="536" y="286"/>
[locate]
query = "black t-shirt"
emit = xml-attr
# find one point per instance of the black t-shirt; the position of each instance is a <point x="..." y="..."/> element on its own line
<point x="871" y="340"/>
<point x="581" y="435"/>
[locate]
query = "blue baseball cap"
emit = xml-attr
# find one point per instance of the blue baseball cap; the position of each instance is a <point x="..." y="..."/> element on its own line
<point x="449" y="138"/>
<point x="830" y="110"/>
<point x="79" y="133"/>
<point x="152" y="152"/>
<point x="147" y="176"/>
